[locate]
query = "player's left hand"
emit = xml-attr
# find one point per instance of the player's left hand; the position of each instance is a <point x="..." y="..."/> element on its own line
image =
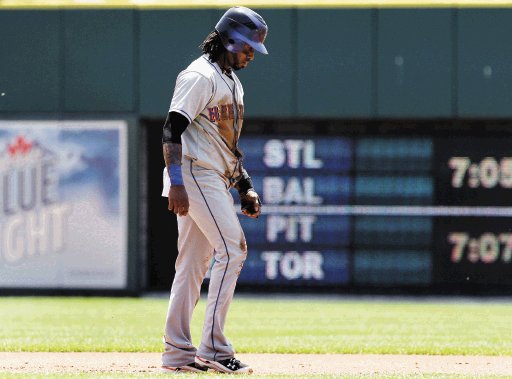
<point x="251" y="204"/>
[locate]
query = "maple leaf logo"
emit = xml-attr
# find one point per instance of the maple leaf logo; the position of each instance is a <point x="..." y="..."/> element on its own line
<point x="20" y="146"/>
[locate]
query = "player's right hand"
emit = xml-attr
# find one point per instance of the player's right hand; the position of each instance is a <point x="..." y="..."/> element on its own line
<point x="251" y="204"/>
<point x="178" y="200"/>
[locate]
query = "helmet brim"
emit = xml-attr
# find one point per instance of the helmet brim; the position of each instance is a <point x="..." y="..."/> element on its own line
<point x="256" y="45"/>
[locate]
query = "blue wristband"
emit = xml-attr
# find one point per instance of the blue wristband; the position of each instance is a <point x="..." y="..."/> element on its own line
<point x="174" y="171"/>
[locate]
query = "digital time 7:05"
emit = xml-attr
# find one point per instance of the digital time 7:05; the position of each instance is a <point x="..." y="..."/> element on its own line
<point x="487" y="173"/>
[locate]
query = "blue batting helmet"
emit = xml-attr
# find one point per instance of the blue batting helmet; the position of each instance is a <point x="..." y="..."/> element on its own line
<point x="241" y="25"/>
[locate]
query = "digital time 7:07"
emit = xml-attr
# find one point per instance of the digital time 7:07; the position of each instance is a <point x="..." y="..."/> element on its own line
<point x="487" y="248"/>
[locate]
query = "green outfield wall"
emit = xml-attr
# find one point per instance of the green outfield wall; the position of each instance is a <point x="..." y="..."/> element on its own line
<point x="363" y="63"/>
<point x="402" y="106"/>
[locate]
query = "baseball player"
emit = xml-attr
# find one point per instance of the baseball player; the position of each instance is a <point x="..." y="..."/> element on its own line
<point x="203" y="162"/>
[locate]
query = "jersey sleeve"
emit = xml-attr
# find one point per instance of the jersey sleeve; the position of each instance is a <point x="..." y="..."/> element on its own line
<point x="192" y="93"/>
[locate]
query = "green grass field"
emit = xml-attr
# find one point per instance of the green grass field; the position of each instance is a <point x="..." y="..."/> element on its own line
<point x="257" y="325"/>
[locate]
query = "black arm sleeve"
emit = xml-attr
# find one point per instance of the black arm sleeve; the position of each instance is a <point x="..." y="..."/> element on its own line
<point x="175" y="125"/>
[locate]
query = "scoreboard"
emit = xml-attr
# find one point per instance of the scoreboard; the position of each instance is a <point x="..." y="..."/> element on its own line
<point x="379" y="211"/>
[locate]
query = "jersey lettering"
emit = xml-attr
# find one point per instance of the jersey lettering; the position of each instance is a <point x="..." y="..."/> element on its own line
<point x="224" y="115"/>
<point x="225" y="112"/>
<point x="214" y="114"/>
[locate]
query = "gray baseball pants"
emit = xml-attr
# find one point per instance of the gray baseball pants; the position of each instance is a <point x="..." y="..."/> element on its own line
<point x="211" y="229"/>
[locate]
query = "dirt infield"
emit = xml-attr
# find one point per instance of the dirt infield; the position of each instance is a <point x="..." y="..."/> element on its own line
<point x="263" y="363"/>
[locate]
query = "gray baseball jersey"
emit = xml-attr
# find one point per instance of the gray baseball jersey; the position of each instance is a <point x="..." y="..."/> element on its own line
<point x="213" y="103"/>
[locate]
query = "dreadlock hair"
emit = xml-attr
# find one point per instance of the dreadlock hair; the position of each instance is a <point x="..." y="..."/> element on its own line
<point x="212" y="45"/>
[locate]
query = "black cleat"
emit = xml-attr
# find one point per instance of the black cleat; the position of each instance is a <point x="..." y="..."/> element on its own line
<point x="228" y="366"/>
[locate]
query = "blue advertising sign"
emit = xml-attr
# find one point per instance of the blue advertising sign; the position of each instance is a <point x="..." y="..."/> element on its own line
<point x="63" y="204"/>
